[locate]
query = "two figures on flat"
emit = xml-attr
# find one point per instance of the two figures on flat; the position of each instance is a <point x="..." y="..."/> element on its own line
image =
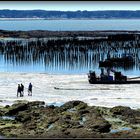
<point x="20" y="90"/>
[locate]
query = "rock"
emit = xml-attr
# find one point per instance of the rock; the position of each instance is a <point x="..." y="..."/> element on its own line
<point x="81" y="112"/>
<point x="7" y="106"/>
<point x="74" y="119"/>
<point x="2" y="113"/>
<point x="23" y="117"/>
<point x="67" y="117"/>
<point x="81" y="105"/>
<point x="36" y="114"/>
<point x="72" y="104"/>
<point x="32" y="127"/>
<point x="52" y="106"/>
<point x="15" y="108"/>
<point x="81" y="133"/>
<point x="66" y="132"/>
<point x="97" y="123"/>
<point x="2" y="123"/>
<point x="101" y="126"/>
<point x="56" y="134"/>
<point x="35" y="104"/>
<point x="121" y="110"/>
<point x="53" y="119"/>
<point x="126" y="114"/>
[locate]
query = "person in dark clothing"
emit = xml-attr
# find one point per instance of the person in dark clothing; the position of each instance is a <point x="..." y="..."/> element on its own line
<point x="19" y="90"/>
<point x="30" y="89"/>
<point x="22" y="90"/>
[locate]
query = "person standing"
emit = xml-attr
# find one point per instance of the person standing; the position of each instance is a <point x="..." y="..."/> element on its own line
<point x="30" y="89"/>
<point x="19" y="90"/>
<point x="22" y="90"/>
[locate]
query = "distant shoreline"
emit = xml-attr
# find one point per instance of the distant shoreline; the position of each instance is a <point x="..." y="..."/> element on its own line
<point x="20" y="19"/>
<point x="48" y="33"/>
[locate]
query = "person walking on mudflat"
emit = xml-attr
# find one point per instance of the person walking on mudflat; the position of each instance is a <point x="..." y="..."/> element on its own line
<point x="30" y="90"/>
<point x="19" y="90"/>
<point x="22" y="90"/>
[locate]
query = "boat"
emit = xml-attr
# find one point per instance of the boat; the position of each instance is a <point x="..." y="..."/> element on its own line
<point x="118" y="61"/>
<point x="107" y="79"/>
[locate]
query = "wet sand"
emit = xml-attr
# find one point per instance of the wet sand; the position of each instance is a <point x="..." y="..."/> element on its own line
<point x="57" y="89"/>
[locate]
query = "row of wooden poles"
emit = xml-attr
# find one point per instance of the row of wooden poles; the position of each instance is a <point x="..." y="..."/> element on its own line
<point x="70" y="51"/>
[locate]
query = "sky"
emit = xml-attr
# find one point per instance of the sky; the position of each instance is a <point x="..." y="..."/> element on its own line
<point x="70" y="5"/>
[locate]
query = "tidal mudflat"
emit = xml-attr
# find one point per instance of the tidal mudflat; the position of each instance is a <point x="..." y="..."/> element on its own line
<point x="57" y="89"/>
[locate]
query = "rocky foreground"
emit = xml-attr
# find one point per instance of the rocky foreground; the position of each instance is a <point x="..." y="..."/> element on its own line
<point x="74" y="119"/>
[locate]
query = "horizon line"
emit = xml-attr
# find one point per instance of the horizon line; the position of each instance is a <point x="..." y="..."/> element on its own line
<point x="64" y="10"/>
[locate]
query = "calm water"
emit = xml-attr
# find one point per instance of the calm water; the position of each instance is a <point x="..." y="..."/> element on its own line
<point x="70" y="25"/>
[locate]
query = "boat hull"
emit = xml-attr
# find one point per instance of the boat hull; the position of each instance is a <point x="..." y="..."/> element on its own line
<point x="115" y="82"/>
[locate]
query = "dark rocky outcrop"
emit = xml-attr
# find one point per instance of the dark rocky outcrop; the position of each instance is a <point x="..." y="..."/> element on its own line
<point x="74" y="119"/>
<point x="15" y="108"/>
<point x="72" y="104"/>
<point x="97" y="123"/>
<point x="23" y="117"/>
<point x="35" y="104"/>
<point x="126" y="113"/>
<point x="121" y="110"/>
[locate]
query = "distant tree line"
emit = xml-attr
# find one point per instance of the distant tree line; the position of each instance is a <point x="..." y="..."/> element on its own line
<point x="68" y="14"/>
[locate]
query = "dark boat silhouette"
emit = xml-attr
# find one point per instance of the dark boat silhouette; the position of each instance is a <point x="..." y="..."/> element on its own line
<point x="107" y="79"/>
<point x="118" y="61"/>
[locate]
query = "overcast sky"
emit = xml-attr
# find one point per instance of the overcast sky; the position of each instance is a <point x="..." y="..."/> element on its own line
<point x="70" y="5"/>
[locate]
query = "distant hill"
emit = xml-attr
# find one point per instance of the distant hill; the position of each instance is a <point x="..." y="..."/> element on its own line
<point x="68" y="14"/>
